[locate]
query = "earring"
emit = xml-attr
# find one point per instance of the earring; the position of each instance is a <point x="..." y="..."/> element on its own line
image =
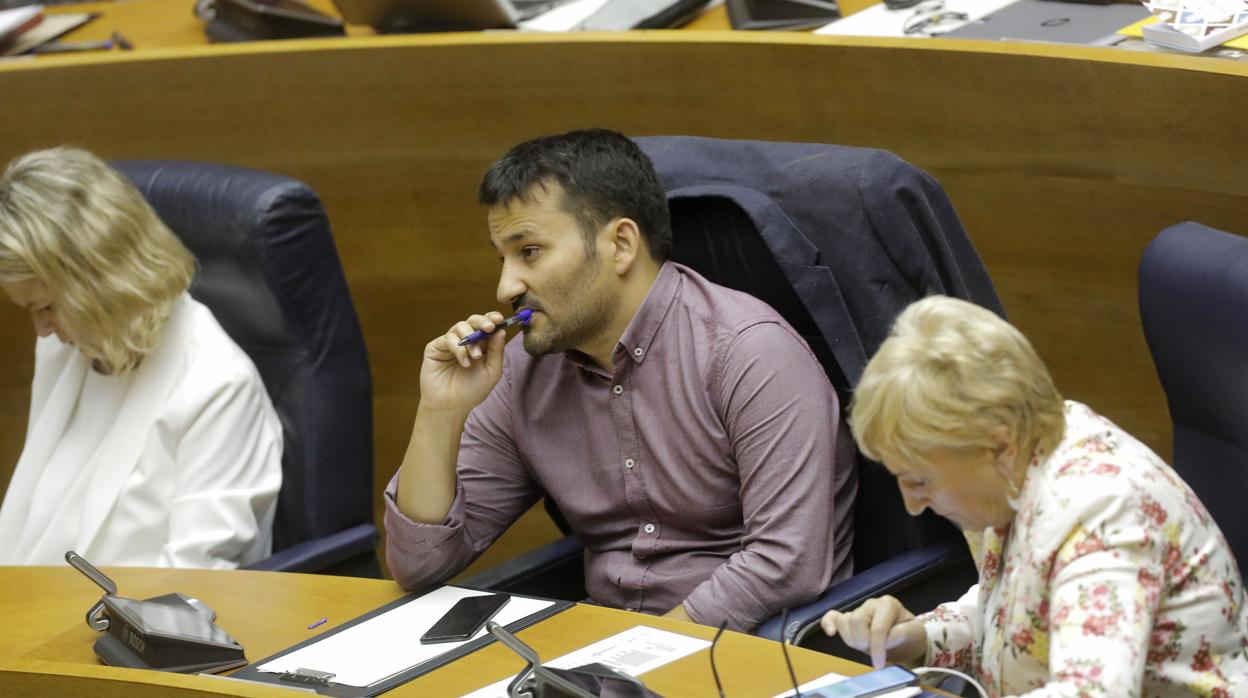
<point x="1015" y="493"/>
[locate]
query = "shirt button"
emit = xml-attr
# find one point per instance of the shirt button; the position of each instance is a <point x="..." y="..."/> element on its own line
<point x="639" y="352"/>
<point x="617" y="389"/>
<point x="629" y="463"/>
<point x="649" y="528"/>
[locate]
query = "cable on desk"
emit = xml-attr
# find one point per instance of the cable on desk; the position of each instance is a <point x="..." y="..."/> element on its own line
<point x="923" y="671"/>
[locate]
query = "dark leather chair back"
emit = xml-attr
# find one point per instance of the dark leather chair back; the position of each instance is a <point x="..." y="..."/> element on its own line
<point x="269" y="271"/>
<point x="1194" y="306"/>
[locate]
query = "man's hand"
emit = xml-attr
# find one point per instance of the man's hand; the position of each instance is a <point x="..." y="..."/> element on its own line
<point x="455" y="378"/>
<point x="882" y="628"/>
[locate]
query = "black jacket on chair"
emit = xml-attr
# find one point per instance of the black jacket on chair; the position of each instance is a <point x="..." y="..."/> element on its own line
<point x="859" y="233"/>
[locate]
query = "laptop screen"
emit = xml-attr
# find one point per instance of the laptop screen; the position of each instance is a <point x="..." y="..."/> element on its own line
<point x="429" y="15"/>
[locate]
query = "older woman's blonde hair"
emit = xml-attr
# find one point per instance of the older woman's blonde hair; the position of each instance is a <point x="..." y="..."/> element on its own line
<point x="948" y="377"/>
<point x="113" y="269"/>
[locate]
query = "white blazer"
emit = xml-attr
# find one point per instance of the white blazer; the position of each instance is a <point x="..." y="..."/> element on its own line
<point x="188" y="474"/>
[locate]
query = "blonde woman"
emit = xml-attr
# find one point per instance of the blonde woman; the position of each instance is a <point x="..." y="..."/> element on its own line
<point x="1101" y="573"/>
<point x="151" y="439"/>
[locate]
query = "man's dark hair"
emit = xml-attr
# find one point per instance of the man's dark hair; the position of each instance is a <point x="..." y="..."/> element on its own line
<point x="604" y="176"/>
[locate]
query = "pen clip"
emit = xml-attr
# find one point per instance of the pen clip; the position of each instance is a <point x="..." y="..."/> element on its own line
<point x="312" y="676"/>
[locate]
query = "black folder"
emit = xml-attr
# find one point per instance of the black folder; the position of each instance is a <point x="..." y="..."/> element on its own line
<point x="326" y="686"/>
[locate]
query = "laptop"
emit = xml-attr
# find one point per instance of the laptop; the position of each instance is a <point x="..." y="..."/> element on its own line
<point x="781" y="14"/>
<point x="471" y="15"/>
<point x="442" y="15"/>
<point x="1053" y="22"/>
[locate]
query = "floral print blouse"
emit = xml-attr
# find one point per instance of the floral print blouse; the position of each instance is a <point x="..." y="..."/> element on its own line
<point x="1112" y="580"/>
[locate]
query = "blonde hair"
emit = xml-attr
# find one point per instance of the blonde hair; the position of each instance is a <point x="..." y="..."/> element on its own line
<point x="113" y="269"/>
<point x="950" y="375"/>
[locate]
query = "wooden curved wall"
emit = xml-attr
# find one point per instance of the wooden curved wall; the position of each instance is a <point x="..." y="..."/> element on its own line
<point x="1063" y="162"/>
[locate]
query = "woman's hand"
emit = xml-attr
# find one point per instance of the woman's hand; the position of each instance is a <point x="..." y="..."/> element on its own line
<point x="882" y="628"/>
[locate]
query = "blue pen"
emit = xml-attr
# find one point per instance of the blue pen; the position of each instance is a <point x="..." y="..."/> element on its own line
<point x="522" y="317"/>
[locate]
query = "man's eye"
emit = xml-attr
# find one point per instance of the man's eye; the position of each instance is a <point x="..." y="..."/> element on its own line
<point x="530" y="252"/>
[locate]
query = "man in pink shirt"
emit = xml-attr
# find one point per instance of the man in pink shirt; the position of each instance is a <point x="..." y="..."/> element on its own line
<point x="684" y="429"/>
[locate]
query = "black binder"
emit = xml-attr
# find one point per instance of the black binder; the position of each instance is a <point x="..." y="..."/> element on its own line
<point x="325" y="685"/>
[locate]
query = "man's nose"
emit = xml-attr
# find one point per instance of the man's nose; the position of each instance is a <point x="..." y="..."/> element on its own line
<point x="510" y="286"/>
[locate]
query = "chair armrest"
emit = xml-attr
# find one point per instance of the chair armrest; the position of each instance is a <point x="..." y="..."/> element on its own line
<point x="321" y="553"/>
<point x="887" y="577"/>
<point x="523" y="568"/>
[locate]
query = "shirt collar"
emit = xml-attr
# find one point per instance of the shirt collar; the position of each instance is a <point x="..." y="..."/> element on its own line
<point x="644" y="327"/>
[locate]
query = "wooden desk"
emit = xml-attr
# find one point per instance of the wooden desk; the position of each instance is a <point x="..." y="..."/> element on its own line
<point x="46" y="649"/>
<point x="1062" y="161"/>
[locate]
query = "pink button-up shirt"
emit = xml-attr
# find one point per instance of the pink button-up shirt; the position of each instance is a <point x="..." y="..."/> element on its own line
<point x="703" y="469"/>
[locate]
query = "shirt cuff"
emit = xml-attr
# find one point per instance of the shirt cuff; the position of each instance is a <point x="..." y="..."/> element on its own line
<point x="708" y="605"/>
<point x="420" y="553"/>
<point x="454" y="516"/>
<point x="942" y="650"/>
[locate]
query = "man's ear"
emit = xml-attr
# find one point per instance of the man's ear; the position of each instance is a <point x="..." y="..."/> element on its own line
<point x="626" y="244"/>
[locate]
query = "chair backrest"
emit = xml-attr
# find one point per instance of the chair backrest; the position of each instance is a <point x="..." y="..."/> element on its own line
<point x="744" y="217"/>
<point x="1194" y="307"/>
<point x="269" y="271"/>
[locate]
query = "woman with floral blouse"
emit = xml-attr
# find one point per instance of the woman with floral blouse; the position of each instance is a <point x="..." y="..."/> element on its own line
<point x="1101" y="573"/>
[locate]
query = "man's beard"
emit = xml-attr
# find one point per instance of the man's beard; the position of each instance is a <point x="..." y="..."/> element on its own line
<point x="587" y="314"/>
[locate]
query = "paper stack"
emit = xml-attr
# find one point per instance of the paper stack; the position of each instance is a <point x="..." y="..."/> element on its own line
<point x="1195" y="25"/>
<point x="17" y="21"/>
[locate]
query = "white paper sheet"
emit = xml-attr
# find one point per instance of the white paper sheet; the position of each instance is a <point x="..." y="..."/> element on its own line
<point x="570" y="16"/>
<point x="565" y="17"/>
<point x="390" y="643"/>
<point x="633" y="652"/>
<point x="878" y="20"/>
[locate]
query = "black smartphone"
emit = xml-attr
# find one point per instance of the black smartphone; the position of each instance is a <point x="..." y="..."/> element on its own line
<point x="464" y="619"/>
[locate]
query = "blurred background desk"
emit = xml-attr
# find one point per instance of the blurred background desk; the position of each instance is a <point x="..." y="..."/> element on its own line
<point x="46" y="648"/>
<point x="165" y="23"/>
<point x="1062" y="161"/>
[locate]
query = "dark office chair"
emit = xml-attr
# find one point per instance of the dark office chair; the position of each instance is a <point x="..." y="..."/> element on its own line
<point x="837" y="240"/>
<point x="270" y="273"/>
<point x="1194" y="306"/>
